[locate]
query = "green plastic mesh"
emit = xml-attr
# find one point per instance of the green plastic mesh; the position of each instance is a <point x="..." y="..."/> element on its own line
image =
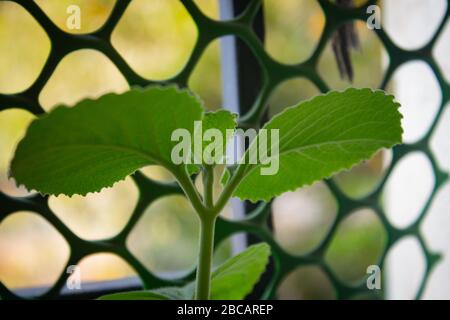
<point x="273" y="73"/>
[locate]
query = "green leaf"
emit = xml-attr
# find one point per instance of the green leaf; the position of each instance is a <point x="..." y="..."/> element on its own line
<point x="193" y="169"/>
<point x="176" y="293"/>
<point x="165" y="293"/>
<point x="226" y="175"/>
<point x="228" y="172"/>
<point x="221" y="120"/>
<point x="99" y="142"/>
<point x="135" y="295"/>
<point x="235" y="279"/>
<point x="322" y="136"/>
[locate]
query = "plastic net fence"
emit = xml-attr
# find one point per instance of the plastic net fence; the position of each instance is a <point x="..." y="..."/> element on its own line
<point x="257" y="220"/>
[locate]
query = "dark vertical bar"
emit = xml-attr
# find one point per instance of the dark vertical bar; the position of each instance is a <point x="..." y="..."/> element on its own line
<point x="249" y="71"/>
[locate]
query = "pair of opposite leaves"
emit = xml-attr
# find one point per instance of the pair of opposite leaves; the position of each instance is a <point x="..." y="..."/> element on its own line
<point x="99" y="142"/>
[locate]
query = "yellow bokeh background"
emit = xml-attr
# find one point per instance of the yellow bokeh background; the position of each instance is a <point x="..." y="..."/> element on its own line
<point x="156" y="38"/>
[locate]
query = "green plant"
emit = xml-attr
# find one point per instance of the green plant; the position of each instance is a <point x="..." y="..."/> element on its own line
<point x="99" y="142"/>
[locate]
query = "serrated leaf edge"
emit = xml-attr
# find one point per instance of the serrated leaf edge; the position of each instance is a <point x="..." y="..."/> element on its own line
<point x="345" y="168"/>
<point x="133" y="89"/>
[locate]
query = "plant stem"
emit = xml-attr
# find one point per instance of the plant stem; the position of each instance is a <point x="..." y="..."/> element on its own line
<point x="207" y="213"/>
<point x="207" y="226"/>
<point x="229" y="188"/>
<point x="190" y="191"/>
<point x="208" y="186"/>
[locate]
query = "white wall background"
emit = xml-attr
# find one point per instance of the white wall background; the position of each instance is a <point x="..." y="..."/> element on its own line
<point x="411" y="23"/>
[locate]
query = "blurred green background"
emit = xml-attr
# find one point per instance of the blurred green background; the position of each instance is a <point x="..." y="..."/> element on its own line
<point x="156" y="38"/>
